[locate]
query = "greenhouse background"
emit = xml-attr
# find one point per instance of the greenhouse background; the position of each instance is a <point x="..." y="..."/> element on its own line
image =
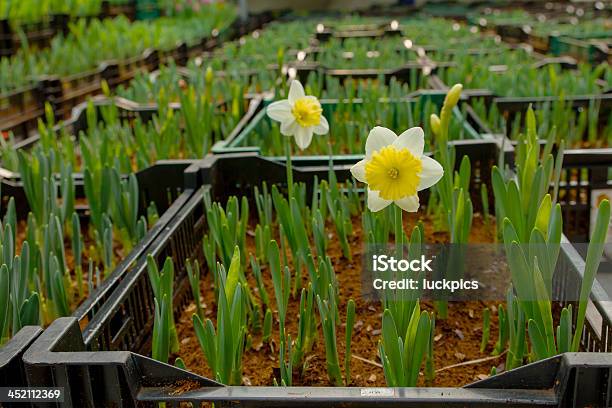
<point x="195" y="196"/>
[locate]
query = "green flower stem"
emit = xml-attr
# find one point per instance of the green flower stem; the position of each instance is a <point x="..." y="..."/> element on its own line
<point x="399" y="231"/>
<point x="289" y="167"/>
<point x="330" y="151"/>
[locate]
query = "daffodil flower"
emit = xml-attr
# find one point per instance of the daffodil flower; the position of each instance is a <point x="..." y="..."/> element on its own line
<point x="300" y="115"/>
<point x="395" y="169"/>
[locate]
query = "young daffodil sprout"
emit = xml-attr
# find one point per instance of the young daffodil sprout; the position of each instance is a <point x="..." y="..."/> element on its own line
<point x="395" y="168"/>
<point x="300" y="115"/>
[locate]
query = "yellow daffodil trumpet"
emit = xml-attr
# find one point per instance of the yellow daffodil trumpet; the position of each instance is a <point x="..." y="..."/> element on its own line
<point x="300" y="115"/>
<point x="395" y="168"/>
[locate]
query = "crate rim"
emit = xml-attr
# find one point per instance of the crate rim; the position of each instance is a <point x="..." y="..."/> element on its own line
<point x="123" y="268"/>
<point x="18" y="344"/>
<point x="29" y="87"/>
<point x="550" y="378"/>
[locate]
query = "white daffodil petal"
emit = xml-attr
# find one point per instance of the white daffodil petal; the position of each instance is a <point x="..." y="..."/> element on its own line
<point x="296" y="91"/>
<point x="409" y="204"/>
<point x="280" y="111"/>
<point x="375" y="202"/>
<point x="378" y="138"/>
<point x="323" y="127"/>
<point x="303" y="137"/>
<point x="431" y="173"/>
<point x="289" y="128"/>
<point x="358" y="171"/>
<point x="412" y="139"/>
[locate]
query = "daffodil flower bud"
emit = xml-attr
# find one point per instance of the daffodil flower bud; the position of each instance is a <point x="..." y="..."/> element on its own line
<point x="105" y="88"/>
<point x="434" y="121"/>
<point x="452" y="97"/>
<point x="280" y="56"/>
<point x="209" y="76"/>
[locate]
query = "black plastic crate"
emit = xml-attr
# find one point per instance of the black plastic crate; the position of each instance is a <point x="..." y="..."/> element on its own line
<point x="468" y="94"/>
<point x="161" y="184"/>
<point x="165" y="186"/>
<point x="593" y="51"/>
<point x="77" y="122"/>
<point x="20" y="111"/>
<point x="483" y="154"/>
<point x="512" y="33"/>
<point x="127" y="69"/>
<point x="245" y="138"/>
<point x="587" y="170"/>
<point x="125" y="322"/>
<point x="384" y="29"/>
<point x="450" y="9"/>
<point x="511" y="106"/>
<point x="408" y="73"/>
<point x="540" y="62"/>
<point x="38" y="34"/>
<point x="12" y="370"/>
<point x="64" y="93"/>
<point x="123" y="378"/>
<point x="519" y="103"/>
<point x="588" y="174"/>
<point x="127" y="111"/>
<point x="110" y="10"/>
<point x="118" y="377"/>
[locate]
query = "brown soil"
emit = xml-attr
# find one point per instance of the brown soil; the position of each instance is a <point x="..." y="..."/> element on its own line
<point x="600" y="143"/>
<point x="183" y="386"/>
<point x="457" y="338"/>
